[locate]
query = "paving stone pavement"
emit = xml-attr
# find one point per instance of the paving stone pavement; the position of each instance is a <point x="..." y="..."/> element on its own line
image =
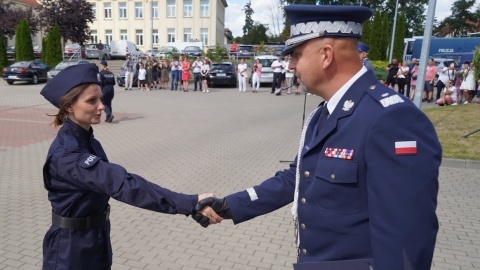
<point x="220" y="142"/>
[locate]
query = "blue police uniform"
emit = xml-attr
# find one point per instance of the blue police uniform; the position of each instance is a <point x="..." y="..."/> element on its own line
<point x="107" y="81"/>
<point x="367" y="180"/>
<point x="362" y="47"/>
<point x="80" y="181"/>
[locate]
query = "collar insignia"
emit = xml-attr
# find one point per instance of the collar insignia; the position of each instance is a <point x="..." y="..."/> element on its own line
<point x="347" y="105"/>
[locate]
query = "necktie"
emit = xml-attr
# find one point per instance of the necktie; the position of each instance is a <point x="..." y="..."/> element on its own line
<point x="323" y="118"/>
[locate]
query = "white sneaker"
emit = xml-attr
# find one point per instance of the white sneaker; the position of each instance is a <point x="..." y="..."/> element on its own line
<point x="203" y="91"/>
<point x="208" y="91"/>
<point x="454" y="104"/>
<point x="466" y="102"/>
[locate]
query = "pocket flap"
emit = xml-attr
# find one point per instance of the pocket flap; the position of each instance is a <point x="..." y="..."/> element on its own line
<point x="337" y="170"/>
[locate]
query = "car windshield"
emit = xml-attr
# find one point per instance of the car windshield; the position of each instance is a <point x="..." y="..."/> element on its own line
<point x="165" y="49"/>
<point x="222" y="67"/>
<point x="192" y="48"/>
<point x="72" y="46"/>
<point x="20" y="64"/>
<point x="63" y="65"/>
<point x="91" y="46"/>
<point x="267" y="62"/>
<point x="245" y="48"/>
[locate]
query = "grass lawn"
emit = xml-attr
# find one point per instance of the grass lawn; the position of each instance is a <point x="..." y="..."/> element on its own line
<point x="454" y="122"/>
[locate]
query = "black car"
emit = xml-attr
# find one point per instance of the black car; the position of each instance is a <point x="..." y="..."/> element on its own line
<point x="121" y="76"/>
<point x="30" y="71"/>
<point x="222" y="73"/>
<point x="192" y="51"/>
<point x="10" y="51"/>
<point x="245" y="51"/>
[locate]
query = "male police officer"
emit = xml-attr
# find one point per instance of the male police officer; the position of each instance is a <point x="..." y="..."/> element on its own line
<point x="363" y="53"/>
<point x="107" y="81"/>
<point x="364" y="183"/>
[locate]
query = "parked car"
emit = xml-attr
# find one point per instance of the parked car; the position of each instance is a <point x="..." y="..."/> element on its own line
<point x="151" y="52"/>
<point x="267" y="72"/>
<point x="119" y="49"/>
<point x="91" y="51"/>
<point x="30" y="71"/>
<point x="121" y="76"/>
<point x="61" y="66"/>
<point x="10" y="51"/>
<point x="276" y="49"/>
<point x="37" y="51"/>
<point x="165" y="51"/>
<point x="222" y="73"/>
<point x="71" y="49"/>
<point x="193" y="51"/>
<point x="224" y="51"/>
<point x="245" y="51"/>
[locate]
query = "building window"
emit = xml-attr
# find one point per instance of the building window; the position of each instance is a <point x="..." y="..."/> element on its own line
<point x="108" y="10"/>
<point x="94" y="11"/>
<point x="204" y="8"/>
<point x="122" y="10"/>
<point x="187" y="8"/>
<point x="155" y="36"/>
<point x="93" y="36"/>
<point x="204" y="36"/>
<point x="171" y="35"/>
<point x="187" y="34"/>
<point x="170" y="8"/>
<point x="123" y="35"/>
<point x="139" y="37"/>
<point x="154" y="9"/>
<point x="108" y="36"/>
<point x="138" y="10"/>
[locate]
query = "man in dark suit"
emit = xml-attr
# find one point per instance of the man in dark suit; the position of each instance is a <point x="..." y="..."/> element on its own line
<point x="365" y="181"/>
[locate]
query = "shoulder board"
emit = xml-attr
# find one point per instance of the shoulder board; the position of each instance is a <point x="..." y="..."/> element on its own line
<point x="385" y="96"/>
<point x="88" y="160"/>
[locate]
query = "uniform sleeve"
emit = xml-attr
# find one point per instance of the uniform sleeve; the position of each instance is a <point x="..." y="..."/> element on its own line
<point x="270" y="195"/>
<point x="92" y="173"/>
<point x="402" y="189"/>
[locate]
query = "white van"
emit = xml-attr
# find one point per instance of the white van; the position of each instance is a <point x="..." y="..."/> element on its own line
<point x="120" y="48"/>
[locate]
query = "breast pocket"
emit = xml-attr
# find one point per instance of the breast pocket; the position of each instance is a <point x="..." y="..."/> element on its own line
<point x="337" y="185"/>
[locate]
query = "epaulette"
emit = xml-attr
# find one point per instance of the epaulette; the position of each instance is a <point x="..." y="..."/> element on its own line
<point x="385" y="96"/>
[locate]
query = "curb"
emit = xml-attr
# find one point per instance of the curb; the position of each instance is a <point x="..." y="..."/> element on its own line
<point x="461" y="163"/>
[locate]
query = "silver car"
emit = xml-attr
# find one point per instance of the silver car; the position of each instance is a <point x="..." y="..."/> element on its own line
<point x="61" y="66"/>
<point x="91" y="51"/>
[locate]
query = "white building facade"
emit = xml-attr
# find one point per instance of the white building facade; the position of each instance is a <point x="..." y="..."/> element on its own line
<point x="155" y="23"/>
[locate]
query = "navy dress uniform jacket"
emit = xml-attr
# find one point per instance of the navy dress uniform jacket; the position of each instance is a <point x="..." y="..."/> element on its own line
<point x="379" y="204"/>
<point x="80" y="181"/>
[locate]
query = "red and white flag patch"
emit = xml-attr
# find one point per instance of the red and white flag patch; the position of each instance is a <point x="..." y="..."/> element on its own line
<point x="406" y="148"/>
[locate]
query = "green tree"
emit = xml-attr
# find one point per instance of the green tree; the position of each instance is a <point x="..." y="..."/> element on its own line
<point x="257" y="34"/>
<point x="248" y="20"/>
<point x="44" y="49"/>
<point x="385" y="41"/>
<point x="460" y="22"/>
<point x="376" y="37"/>
<point x="54" y="52"/>
<point x="3" y="52"/>
<point x="399" y="43"/>
<point x="476" y="62"/>
<point x="366" y="32"/>
<point x="23" y="42"/>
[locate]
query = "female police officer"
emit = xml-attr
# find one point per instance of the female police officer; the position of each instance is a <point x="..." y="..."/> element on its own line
<point x="80" y="180"/>
<point x="107" y="81"/>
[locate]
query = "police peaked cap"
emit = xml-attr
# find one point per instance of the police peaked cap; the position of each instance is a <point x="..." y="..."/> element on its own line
<point x="67" y="79"/>
<point x="362" y="47"/>
<point x="316" y="21"/>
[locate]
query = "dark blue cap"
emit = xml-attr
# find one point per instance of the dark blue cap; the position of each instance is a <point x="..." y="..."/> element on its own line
<point x="313" y="21"/>
<point x="67" y="79"/>
<point x="104" y="62"/>
<point x="362" y="47"/>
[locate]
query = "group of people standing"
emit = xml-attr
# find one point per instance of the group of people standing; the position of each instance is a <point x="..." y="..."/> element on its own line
<point x="159" y="73"/>
<point x="453" y="86"/>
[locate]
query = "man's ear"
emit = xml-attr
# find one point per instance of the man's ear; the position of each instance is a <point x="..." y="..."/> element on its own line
<point x="326" y="55"/>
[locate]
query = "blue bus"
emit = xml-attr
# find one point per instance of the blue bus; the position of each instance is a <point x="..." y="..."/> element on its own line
<point x="460" y="49"/>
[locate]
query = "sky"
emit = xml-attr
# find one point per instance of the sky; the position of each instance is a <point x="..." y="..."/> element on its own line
<point x="265" y="10"/>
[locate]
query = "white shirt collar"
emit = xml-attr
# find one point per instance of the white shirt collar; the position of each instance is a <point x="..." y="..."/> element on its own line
<point x="332" y="103"/>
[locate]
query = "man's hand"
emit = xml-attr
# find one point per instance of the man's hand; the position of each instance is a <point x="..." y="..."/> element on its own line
<point x="207" y="215"/>
<point x="207" y="210"/>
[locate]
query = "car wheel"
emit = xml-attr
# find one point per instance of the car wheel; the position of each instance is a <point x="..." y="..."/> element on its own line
<point x="35" y="79"/>
<point x="10" y="82"/>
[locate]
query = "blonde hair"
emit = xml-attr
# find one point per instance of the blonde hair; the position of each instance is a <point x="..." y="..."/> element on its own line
<point x="65" y="102"/>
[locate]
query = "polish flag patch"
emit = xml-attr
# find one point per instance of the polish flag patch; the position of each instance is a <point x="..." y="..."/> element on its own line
<point x="406" y="148"/>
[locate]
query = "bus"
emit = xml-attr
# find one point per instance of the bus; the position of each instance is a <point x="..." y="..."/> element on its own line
<point x="459" y="48"/>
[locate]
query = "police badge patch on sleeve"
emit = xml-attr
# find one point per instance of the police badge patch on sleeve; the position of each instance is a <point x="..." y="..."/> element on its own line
<point x="88" y="160"/>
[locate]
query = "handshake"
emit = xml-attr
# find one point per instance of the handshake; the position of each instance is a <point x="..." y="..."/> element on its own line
<point x="211" y="210"/>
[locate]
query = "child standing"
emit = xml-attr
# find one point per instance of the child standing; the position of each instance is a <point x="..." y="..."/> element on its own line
<point x="142" y="73"/>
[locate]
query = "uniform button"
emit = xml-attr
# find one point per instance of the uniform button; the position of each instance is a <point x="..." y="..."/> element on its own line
<point x="332" y="176"/>
<point x="306" y="174"/>
<point x="304" y="251"/>
<point x="302" y="226"/>
<point x="303" y="201"/>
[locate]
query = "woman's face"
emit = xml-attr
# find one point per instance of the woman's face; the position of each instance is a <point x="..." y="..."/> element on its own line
<point x="87" y="110"/>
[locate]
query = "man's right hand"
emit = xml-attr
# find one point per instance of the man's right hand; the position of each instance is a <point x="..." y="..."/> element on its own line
<point x="220" y="206"/>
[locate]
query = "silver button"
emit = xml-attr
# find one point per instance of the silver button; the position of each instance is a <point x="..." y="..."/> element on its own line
<point x="304" y="251"/>
<point x="332" y="176"/>
<point x="303" y="201"/>
<point x="302" y="226"/>
<point x="306" y="174"/>
<point x="372" y="87"/>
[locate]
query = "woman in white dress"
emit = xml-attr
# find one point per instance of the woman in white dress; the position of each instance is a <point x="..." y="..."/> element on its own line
<point x="468" y="84"/>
